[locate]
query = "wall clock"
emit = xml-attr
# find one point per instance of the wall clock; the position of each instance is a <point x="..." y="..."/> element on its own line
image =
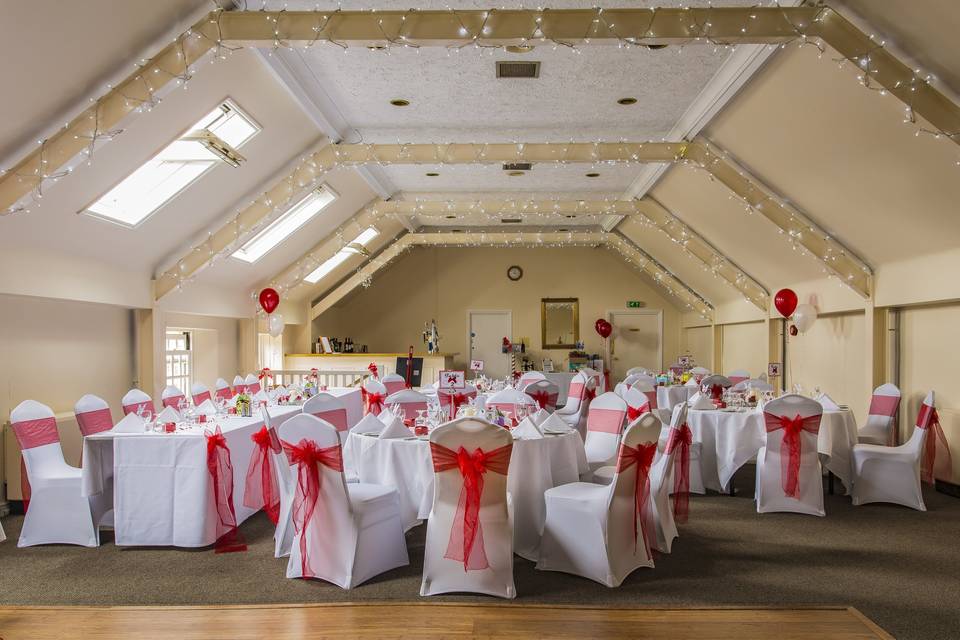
<point x="514" y="273"/>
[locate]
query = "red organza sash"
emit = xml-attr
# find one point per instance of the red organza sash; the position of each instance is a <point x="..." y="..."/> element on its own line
<point x="200" y="397"/>
<point x="928" y="419"/>
<point x="336" y="417"/>
<point x="680" y="438"/>
<point x="306" y="455"/>
<point x="544" y="399"/>
<point x="884" y="405"/>
<point x="790" y="446"/>
<point x="716" y="392"/>
<point x="605" y="420"/>
<point x="30" y="434"/>
<point x="172" y="401"/>
<point x="224" y="393"/>
<point x="253" y="388"/>
<point x="95" y="421"/>
<point x="221" y="476"/>
<point x="642" y="456"/>
<point x="635" y="412"/>
<point x="260" y="488"/>
<point x="372" y="402"/>
<point x="453" y="401"/>
<point x="146" y="405"/>
<point x="589" y="393"/>
<point x="466" y="534"/>
<point x="395" y="385"/>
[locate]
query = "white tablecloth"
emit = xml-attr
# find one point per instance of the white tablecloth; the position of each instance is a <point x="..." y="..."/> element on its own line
<point x="535" y="466"/>
<point x="731" y="439"/>
<point x="160" y="482"/>
<point x="670" y="396"/>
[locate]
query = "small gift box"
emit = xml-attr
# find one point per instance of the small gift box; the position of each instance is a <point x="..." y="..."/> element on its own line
<point x="202" y="418"/>
<point x="421" y="430"/>
<point x="169" y="427"/>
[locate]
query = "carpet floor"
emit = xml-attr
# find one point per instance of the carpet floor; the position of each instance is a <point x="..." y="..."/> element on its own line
<point x="898" y="566"/>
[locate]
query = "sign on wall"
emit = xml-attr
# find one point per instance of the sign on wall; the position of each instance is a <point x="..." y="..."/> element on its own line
<point x="773" y="369"/>
<point x="636" y="304"/>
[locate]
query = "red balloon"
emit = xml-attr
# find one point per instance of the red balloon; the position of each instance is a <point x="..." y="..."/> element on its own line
<point x="786" y="302"/>
<point x="269" y="299"/>
<point x="603" y="328"/>
<point x="793" y="330"/>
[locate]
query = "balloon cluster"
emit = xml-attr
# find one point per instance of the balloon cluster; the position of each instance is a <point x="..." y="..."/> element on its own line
<point x="603" y="328"/>
<point x="269" y="300"/>
<point x="804" y="315"/>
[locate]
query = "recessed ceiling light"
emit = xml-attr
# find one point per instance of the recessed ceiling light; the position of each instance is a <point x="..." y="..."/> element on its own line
<point x="519" y="48"/>
<point x="516" y="173"/>
<point x="399" y="102"/>
<point x="627" y="101"/>
<point x="451" y="217"/>
<point x="432" y="174"/>
<point x="593" y="174"/>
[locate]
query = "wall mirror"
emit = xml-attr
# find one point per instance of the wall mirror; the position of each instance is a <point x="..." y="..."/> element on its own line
<point x="559" y="323"/>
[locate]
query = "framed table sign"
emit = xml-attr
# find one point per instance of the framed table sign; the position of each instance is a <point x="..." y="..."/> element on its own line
<point x="452" y="379"/>
<point x="476" y="365"/>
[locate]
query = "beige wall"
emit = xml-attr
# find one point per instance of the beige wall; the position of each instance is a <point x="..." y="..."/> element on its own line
<point x="930" y="353"/>
<point x="443" y="283"/>
<point x="55" y="351"/>
<point x="698" y="342"/>
<point x="216" y="347"/>
<point x="744" y="346"/>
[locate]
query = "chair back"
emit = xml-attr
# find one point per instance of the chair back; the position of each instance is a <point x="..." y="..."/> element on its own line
<point x="252" y="383"/>
<point x="328" y="408"/>
<point x="374" y="395"/>
<point x="200" y="392"/>
<point x="410" y="402"/>
<point x="638" y="371"/>
<point x="171" y="397"/>
<point x="511" y="401"/>
<point x="792" y="406"/>
<point x="394" y="382"/>
<point x="921" y="430"/>
<point x="223" y="390"/>
<point x="452" y="399"/>
<point x="34" y="425"/>
<point x="528" y="377"/>
<point x="640" y="437"/>
<point x="93" y="415"/>
<point x="883" y="408"/>
<point x="136" y="400"/>
<point x="596" y="376"/>
<point x="699" y="373"/>
<point x="581" y="386"/>
<point x="544" y="393"/>
<point x="638" y="403"/>
<point x="714" y="385"/>
<point x="738" y="375"/>
<point x="238" y="385"/>
<point x="648" y="387"/>
<point x="605" y="419"/>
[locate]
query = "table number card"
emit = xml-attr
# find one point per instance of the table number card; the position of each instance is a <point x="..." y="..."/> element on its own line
<point x="476" y="365"/>
<point x="773" y="369"/>
<point x="452" y="379"/>
<point x="547" y="366"/>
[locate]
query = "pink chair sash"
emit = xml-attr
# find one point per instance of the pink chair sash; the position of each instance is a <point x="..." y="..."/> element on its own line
<point x="95" y="421"/>
<point x="221" y="477"/>
<point x="200" y="397"/>
<point x="253" y="388"/>
<point x="737" y="379"/>
<point x="240" y="388"/>
<point x="928" y="419"/>
<point x="36" y="433"/>
<point x="680" y="438"/>
<point x="336" y="417"/>
<point x="544" y="399"/>
<point x="395" y="385"/>
<point x="307" y="456"/>
<point x="226" y="393"/>
<point x="605" y="420"/>
<point x="260" y="487"/>
<point x="575" y="390"/>
<point x="884" y="406"/>
<point x="642" y="456"/>
<point x="146" y="405"/>
<point x="790" y="446"/>
<point x="466" y="535"/>
<point x="172" y="401"/>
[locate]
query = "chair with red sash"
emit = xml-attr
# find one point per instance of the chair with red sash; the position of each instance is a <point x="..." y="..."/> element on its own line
<point x="738" y="376"/>
<point x="581" y="391"/>
<point x="223" y="390"/>
<point x="342" y="533"/>
<point x="699" y="373"/>
<point x="638" y="371"/>
<point x="544" y="393"/>
<point x="56" y="510"/>
<point x="714" y="386"/>
<point x="648" y="387"/>
<point x="673" y="475"/>
<point x="514" y="402"/>
<point x="529" y="377"/>
<point x="409" y="402"/>
<point x="330" y="409"/>
<point x="200" y="392"/>
<point x="252" y="383"/>
<point x="239" y="386"/>
<point x="638" y="403"/>
<point x="598" y="378"/>
<point x="171" y="397"/>
<point x="136" y="401"/>
<point x="453" y="399"/>
<point x="469" y="546"/>
<point x="394" y="382"/>
<point x="789" y="477"/>
<point x="894" y="474"/>
<point x="605" y="532"/>
<point x="883" y="408"/>
<point x="93" y="415"/>
<point x="605" y="421"/>
<point x="374" y="395"/>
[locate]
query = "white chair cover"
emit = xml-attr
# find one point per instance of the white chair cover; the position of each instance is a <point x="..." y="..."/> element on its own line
<point x="171" y="397"/>
<point x="252" y="383"/>
<point x="93" y="415"/>
<point x="135" y="401"/>
<point x="528" y="377"/>
<point x="638" y="403"/>
<point x="374" y="394"/>
<point x="469" y="543"/>
<point x="605" y="420"/>
<point x="892" y="474"/>
<point x="223" y="390"/>
<point x="511" y="401"/>
<point x="344" y="534"/>
<point x="581" y="391"/>
<point x="238" y="385"/>
<point x="597" y="377"/>
<point x="738" y="375"/>
<point x="57" y="513"/>
<point x="597" y="531"/>
<point x="410" y="402"/>
<point x="200" y="392"/>
<point x="798" y="418"/>
<point x="648" y="387"/>
<point x="638" y="371"/>
<point x="662" y="485"/>
<point x="544" y="393"/>
<point x="884" y="405"/>
<point x="393" y="382"/>
<point x="330" y="409"/>
<point x="699" y="373"/>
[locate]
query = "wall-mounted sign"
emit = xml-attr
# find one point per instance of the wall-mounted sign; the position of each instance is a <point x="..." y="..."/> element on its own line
<point x="636" y="304"/>
<point x="452" y="379"/>
<point x="773" y="369"/>
<point x="683" y="361"/>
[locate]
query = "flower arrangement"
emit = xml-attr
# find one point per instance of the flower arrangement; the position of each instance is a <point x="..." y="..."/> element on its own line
<point x="244" y="405"/>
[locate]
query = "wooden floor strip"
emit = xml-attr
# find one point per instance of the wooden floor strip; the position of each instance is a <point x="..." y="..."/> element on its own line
<point x="432" y="620"/>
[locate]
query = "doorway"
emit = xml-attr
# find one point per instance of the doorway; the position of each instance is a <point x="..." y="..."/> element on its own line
<point x="637" y="341"/>
<point x="486" y="330"/>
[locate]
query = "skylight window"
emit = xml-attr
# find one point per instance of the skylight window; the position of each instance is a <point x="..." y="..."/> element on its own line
<point x="278" y="230"/>
<point x="212" y="140"/>
<point x="360" y="242"/>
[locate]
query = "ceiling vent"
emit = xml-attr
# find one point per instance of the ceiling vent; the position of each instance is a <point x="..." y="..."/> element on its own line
<point x="510" y="220"/>
<point x="517" y="69"/>
<point x="517" y="166"/>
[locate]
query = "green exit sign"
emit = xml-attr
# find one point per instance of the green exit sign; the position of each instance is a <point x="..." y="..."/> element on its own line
<point x="635" y="304"/>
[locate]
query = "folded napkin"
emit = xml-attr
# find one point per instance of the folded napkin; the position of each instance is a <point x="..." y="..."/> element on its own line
<point x="368" y="424"/>
<point x="554" y="424"/>
<point x="395" y="430"/>
<point x="386" y="417"/>
<point x="131" y="423"/>
<point x="206" y="408"/>
<point x="169" y="414"/>
<point x="260" y="396"/>
<point x="828" y="403"/>
<point x="701" y="402"/>
<point x="540" y="416"/>
<point x="527" y="430"/>
<point x="692" y="382"/>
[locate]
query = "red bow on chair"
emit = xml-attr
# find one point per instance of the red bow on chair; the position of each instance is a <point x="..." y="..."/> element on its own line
<point x="307" y="456"/>
<point x="221" y="475"/>
<point x="260" y="489"/>
<point x="683" y="438"/>
<point x="372" y="368"/>
<point x="635" y="412"/>
<point x="790" y="446"/>
<point x="372" y="402"/>
<point x="544" y="398"/>
<point x="453" y="400"/>
<point x="466" y="534"/>
<point x="716" y="392"/>
<point x="589" y="393"/>
<point x="265" y="373"/>
<point x="928" y="418"/>
<point x="643" y="457"/>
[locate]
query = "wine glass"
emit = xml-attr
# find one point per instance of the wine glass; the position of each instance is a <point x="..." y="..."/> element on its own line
<point x="147" y="416"/>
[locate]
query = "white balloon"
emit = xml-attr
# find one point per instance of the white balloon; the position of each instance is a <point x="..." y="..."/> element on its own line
<point x="804" y="317"/>
<point x="275" y="324"/>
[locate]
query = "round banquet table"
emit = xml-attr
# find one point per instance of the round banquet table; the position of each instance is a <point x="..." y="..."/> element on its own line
<point x="730" y="439"/>
<point x="536" y="464"/>
<point x="670" y="396"/>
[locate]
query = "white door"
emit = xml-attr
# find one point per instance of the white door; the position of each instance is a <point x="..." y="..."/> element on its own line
<point x="636" y="341"/>
<point x="485" y="333"/>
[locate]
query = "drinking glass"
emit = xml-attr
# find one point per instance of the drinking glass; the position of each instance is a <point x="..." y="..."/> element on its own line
<point x="147" y="417"/>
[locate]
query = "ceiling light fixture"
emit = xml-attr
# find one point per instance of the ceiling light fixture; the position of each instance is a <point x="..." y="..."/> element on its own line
<point x="627" y="101"/>
<point x="400" y="102"/>
<point x="593" y="174"/>
<point x="432" y="174"/>
<point x="519" y="48"/>
<point x="515" y="173"/>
